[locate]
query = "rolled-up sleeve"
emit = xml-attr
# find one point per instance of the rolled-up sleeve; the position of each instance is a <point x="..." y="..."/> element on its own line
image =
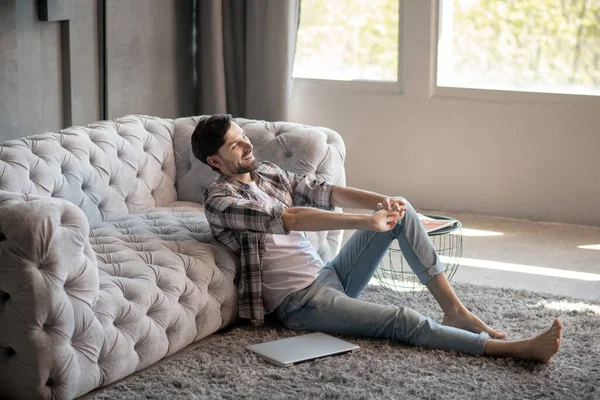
<point x="227" y="211"/>
<point x="310" y="192"/>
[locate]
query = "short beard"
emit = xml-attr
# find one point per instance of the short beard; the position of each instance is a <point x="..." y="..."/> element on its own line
<point x="240" y="169"/>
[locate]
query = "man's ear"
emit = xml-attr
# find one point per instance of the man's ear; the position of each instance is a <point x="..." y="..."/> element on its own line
<point x="214" y="161"/>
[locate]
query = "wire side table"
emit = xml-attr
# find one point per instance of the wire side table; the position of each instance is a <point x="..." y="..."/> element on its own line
<point x="395" y="275"/>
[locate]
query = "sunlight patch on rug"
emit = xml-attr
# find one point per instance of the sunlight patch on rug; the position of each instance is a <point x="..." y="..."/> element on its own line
<point x="569" y="306"/>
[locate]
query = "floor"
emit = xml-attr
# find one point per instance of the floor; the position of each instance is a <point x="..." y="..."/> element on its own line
<point x="553" y="258"/>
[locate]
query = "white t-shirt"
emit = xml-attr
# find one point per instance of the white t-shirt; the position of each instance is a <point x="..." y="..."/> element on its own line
<point x="290" y="262"/>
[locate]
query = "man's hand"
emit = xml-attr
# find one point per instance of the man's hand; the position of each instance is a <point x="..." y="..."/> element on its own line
<point x="383" y="220"/>
<point x="392" y="204"/>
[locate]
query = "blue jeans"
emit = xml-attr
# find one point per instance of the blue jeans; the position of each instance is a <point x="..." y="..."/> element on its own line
<point x="330" y="303"/>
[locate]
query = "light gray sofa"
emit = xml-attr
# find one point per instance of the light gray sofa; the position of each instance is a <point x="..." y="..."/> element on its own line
<point x="107" y="263"/>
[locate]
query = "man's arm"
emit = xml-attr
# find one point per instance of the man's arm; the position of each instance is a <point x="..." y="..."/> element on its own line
<point x="309" y="192"/>
<point x="226" y="210"/>
<point x="313" y="219"/>
<point x="348" y="197"/>
<point x="321" y="194"/>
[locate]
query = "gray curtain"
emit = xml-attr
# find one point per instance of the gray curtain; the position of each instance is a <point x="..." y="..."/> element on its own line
<point x="244" y="57"/>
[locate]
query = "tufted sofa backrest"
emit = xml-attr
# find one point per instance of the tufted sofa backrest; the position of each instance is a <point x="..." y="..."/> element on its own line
<point x="108" y="168"/>
<point x="112" y="168"/>
<point x="315" y="151"/>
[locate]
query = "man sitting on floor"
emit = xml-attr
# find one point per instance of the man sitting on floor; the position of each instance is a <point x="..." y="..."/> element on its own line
<point x="260" y="211"/>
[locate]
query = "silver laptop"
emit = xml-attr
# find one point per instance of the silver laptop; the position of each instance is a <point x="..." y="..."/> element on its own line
<point x="297" y="349"/>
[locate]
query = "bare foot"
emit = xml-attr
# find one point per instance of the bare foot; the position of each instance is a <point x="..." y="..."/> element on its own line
<point x="468" y="321"/>
<point x="544" y="346"/>
<point x="539" y="348"/>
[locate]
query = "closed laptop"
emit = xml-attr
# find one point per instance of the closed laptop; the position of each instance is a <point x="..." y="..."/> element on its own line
<point x="290" y="351"/>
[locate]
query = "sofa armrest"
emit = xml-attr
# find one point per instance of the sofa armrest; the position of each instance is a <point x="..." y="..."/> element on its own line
<point x="48" y="285"/>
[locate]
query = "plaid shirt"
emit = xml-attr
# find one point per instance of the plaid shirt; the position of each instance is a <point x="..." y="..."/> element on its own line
<point x="240" y="221"/>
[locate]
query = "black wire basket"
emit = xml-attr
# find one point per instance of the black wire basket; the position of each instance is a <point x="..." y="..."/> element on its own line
<point x="395" y="275"/>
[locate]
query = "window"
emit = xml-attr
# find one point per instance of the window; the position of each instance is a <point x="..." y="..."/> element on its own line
<point x="548" y="46"/>
<point x="348" y="40"/>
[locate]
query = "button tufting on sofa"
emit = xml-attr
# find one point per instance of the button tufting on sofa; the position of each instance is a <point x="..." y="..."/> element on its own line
<point x="44" y="266"/>
<point x="2" y="237"/>
<point x="4" y="297"/>
<point x="65" y="219"/>
<point x="10" y="352"/>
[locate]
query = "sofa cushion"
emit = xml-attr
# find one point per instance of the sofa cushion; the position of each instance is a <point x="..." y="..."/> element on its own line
<point x="160" y="288"/>
<point x="166" y="223"/>
<point x="178" y="203"/>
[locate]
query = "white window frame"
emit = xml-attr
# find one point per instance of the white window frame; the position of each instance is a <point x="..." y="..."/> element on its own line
<point x="364" y="86"/>
<point x="490" y="94"/>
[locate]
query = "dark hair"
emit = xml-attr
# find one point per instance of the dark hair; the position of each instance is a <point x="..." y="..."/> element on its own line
<point x="209" y="136"/>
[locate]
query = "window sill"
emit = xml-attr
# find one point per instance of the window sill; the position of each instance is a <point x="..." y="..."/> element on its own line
<point x="514" y="96"/>
<point x="385" y="87"/>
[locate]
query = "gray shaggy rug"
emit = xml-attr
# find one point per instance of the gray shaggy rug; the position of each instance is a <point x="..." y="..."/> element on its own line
<point x="223" y="369"/>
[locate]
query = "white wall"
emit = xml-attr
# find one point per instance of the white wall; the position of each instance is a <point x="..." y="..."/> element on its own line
<point x="521" y="159"/>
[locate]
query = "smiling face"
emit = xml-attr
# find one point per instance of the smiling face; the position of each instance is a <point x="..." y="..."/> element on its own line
<point x="235" y="157"/>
